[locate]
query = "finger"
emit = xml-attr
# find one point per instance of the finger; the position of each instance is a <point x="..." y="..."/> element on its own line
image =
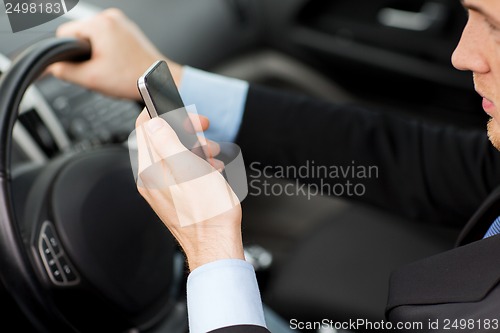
<point x="181" y="163"/>
<point x="145" y="158"/>
<point x="86" y="28"/>
<point x="142" y="118"/>
<point x="217" y="164"/>
<point x="196" y="123"/>
<point x="147" y="153"/>
<point x="200" y="123"/>
<point x="206" y="148"/>
<point x="204" y="122"/>
<point x="79" y="28"/>
<point x="68" y="71"/>
<point x="210" y="148"/>
<point x="152" y="170"/>
<point x="163" y="138"/>
<point x="152" y="173"/>
<point x="214" y="148"/>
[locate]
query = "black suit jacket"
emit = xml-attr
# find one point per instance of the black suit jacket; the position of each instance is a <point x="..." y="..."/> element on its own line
<point x="435" y="174"/>
<point x="461" y="284"/>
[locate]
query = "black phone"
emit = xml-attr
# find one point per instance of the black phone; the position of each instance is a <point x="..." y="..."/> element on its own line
<point x="158" y="90"/>
<point x="162" y="99"/>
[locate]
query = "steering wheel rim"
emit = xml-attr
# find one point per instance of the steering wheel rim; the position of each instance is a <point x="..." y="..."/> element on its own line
<point x="25" y="70"/>
<point x="23" y="279"/>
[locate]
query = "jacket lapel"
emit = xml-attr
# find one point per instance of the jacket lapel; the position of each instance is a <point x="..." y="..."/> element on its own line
<point x="480" y="222"/>
<point x="464" y="274"/>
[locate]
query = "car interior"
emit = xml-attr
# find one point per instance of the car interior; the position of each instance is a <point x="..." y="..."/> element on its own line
<point x="77" y="255"/>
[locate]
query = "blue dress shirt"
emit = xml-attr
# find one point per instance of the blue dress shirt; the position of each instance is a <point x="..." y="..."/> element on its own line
<point x="220" y="98"/>
<point x="223" y="293"/>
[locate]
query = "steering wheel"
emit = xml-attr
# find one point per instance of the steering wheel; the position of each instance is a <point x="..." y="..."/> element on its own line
<point x="80" y="250"/>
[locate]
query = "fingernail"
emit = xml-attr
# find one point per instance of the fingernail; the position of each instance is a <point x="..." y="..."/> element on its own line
<point x="154" y="125"/>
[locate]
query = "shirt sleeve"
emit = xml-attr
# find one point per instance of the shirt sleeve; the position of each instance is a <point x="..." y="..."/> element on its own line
<point x="223" y="293"/>
<point x="217" y="97"/>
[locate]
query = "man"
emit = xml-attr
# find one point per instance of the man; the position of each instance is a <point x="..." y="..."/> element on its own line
<point x="456" y="290"/>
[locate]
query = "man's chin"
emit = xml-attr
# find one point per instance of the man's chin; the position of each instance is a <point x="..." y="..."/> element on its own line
<point x="494" y="133"/>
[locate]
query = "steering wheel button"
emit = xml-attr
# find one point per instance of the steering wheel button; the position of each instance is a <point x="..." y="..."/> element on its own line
<point x="56" y="274"/>
<point x="46" y="248"/>
<point x="51" y="262"/>
<point x="55" y="245"/>
<point x="67" y="270"/>
<point x="52" y="240"/>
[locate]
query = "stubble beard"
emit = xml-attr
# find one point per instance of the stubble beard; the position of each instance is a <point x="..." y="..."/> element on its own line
<point x="494" y="133"/>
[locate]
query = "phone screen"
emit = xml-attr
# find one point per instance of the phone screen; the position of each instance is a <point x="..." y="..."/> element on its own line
<point x="158" y="90"/>
<point x="162" y="99"/>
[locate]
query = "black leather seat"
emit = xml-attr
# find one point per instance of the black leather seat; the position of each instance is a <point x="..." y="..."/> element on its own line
<point x="341" y="270"/>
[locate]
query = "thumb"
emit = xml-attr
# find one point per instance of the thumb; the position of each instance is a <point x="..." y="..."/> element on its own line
<point x="163" y="138"/>
<point x="158" y="149"/>
<point x="183" y="164"/>
<point x="68" y="71"/>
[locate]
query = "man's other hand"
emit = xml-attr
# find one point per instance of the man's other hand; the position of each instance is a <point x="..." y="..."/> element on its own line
<point x="121" y="53"/>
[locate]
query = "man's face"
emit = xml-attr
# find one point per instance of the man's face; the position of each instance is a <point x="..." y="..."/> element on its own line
<point x="479" y="52"/>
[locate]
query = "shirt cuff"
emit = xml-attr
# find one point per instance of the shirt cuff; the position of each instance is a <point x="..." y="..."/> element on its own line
<point x="223" y="293"/>
<point x="221" y="99"/>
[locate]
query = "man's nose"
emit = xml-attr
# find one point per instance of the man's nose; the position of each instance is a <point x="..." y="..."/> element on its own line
<point x="469" y="53"/>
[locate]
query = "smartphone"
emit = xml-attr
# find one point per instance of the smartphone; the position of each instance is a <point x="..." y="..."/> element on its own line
<point x="158" y="90"/>
<point x="162" y="99"/>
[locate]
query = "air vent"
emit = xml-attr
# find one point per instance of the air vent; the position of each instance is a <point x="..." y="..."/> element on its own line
<point x="40" y="133"/>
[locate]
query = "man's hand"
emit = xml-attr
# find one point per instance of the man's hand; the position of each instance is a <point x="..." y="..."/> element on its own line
<point x="189" y="195"/>
<point x="121" y="53"/>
